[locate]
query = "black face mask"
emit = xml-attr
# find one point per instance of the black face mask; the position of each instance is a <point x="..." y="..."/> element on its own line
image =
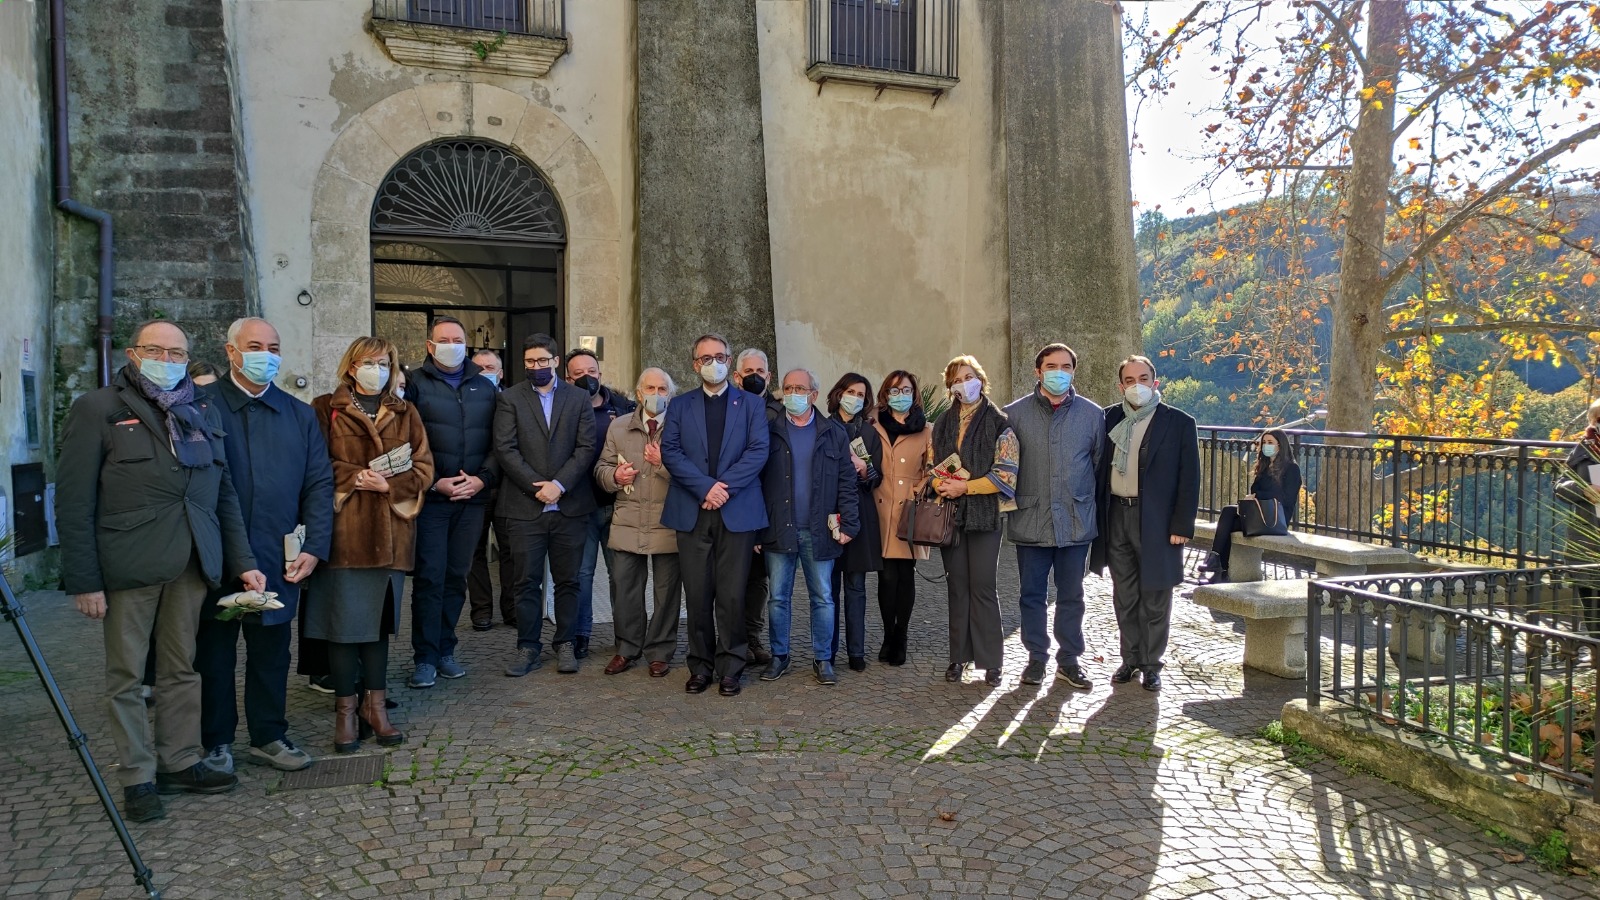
<point x="541" y="377"/>
<point x="754" y="383"/>
<point x="588" y="383"/>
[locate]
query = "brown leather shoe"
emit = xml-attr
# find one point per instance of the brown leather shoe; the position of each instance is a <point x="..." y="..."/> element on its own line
<point x="376" y="715"/>
<point x="346" y="738"/>
<point x="618" y="665"/>
<point x="659" y="669"/>
<point x="730" y="686"/>
<point x="697" y="684"/>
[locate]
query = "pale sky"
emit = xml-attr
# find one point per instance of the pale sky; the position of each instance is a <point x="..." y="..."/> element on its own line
<point x="1170" y="161"/>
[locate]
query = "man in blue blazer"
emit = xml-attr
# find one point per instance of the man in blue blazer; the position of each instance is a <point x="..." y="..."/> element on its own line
<point x="714" y="445"/>
<point x="278" y="460"/>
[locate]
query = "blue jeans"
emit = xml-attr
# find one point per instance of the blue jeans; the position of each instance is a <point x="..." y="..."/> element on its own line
<point x="1034" y="565"/>
<point x="594" y="542"/>
<point x="447" y="539"/>
<point x="849" y="610"/>
<point x="780" y="570"/>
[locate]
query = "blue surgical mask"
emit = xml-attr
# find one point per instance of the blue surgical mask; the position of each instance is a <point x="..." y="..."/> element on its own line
<point x="797" y="404"/>
<point x="1057" y="382"/>
<point x="494" y="377"/>
<point x="166" y="375"/>
<point x="850" y="404"/>
<point x="259" y="366"/>
<point x="1269" y="450"/>
<point x="900" y="402"/>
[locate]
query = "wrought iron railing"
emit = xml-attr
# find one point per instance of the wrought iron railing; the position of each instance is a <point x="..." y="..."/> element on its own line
<point x="916" y="36"/>
<point x="544" y="18"/>
<point x="1499" y="663"/>
<point x="1486" y="501"/>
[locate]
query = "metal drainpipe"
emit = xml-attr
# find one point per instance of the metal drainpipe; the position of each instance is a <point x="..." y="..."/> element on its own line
<point x="64" y="199"/>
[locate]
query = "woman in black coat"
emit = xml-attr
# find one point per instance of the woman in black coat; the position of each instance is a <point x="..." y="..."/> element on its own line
<point x="1277" y="477"/>
<point x="850" y="404"/>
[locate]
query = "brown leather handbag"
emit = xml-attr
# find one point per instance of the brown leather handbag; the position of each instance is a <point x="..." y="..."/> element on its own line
<point x="926" y="521"/>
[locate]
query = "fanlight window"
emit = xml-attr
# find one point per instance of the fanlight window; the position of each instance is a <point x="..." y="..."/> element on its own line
<point x="467" y="189"/>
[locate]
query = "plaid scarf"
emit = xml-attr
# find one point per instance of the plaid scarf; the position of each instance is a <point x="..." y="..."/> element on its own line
<point x="186" y="425"/>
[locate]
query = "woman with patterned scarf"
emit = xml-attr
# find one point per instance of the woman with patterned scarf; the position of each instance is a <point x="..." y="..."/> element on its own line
<point x="975" y="430"/>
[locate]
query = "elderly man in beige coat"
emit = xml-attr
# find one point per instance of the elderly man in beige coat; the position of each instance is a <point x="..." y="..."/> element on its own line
<point x="630" y="467"/>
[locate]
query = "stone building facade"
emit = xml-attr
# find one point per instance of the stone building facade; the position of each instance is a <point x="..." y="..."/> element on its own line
<point x="849" y="184"/>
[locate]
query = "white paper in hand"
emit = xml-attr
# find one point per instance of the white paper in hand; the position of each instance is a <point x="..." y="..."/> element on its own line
<point x="394" y="462"/>
<point x="292" y="542"/>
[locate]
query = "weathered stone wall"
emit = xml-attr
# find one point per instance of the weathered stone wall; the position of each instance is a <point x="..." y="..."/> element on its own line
<point x="1069" y="201"/>
<point x="704" y="258"/>
<point x="26" y="245"/>
<point x="153" y="144"/>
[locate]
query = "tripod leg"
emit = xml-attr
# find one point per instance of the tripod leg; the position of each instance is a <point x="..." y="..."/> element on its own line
<point x="11" y="610"/>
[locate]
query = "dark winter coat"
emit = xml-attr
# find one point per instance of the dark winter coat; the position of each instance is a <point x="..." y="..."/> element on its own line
<point x="865" y="553"/>
<point x="128" y="514"/>
<point x="833" y="490"/>
<point x="459" y="422"/>
<point x="278" y="460"/>
<point x="1169" y="495"/>
<point x="373" y="530"/>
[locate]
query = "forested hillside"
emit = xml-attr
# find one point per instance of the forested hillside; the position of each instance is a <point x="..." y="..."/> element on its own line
<point x="1236" y="306"/>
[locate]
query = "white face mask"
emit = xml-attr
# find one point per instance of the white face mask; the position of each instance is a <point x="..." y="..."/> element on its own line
<point x="714" y="373"/>
<point x="968" y="391"/>
<point x="1137" y="395"/>
<point x="451" y="356"/>
<point x="372" y="378"/>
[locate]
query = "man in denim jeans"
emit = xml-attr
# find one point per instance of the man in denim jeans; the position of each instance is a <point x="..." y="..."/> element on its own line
<point x="1060" y="437"/>
<point x="807" y="480"/>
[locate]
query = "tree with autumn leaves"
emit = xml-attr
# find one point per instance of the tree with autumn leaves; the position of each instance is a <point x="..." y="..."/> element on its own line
<point x="1429" y="138"/>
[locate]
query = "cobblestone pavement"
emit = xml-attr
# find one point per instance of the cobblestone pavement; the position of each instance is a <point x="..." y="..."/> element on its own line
<point x="893" y="783"/>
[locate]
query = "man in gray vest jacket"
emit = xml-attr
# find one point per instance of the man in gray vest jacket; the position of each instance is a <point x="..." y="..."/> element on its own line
<point x="1060" y="436"/>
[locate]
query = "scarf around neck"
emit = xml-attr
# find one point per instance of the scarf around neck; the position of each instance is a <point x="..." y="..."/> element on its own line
<point x="1122" y="432"/>
<point x="186" y="425"/>
<point x="915" y="422"/>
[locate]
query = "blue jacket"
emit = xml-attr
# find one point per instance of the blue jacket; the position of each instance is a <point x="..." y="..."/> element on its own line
<point x="278" y="460"/>
<point x="459" y="422"/>
<point x="833" y="490"/>
<point x="744" y="452"/>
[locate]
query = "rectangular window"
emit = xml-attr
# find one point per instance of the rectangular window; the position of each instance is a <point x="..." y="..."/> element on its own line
<point x="876" y="34"/>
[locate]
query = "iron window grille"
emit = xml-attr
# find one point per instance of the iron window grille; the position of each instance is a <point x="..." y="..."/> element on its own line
<point x="917" y="37"/>
<point x="542" y="18"/>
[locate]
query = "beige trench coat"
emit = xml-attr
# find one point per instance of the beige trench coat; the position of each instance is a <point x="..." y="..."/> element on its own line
<point x="636" y="520"/>
<point x="904" y="467"/>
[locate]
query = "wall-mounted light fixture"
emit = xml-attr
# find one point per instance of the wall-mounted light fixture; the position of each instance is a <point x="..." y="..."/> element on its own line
<point x="593" y="344"/>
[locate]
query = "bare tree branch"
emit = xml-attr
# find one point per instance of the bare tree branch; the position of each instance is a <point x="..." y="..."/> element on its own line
<point x="1153" y="58"/>
<point x="1343" y="31"/>
<point x="1494" y="192"/>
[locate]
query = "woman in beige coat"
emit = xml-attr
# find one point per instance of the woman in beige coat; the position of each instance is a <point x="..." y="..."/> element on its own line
<point x="630" y="467"/>
<point x="905" y="433"/>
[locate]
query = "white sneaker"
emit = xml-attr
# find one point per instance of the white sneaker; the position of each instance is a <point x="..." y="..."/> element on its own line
<point x="220" y="759"/>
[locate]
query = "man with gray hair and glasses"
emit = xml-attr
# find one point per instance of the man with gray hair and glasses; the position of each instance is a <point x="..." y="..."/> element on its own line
<point x="812" y="511"/>
<point x="630" y="468"/>
<point x="148" y="520"/>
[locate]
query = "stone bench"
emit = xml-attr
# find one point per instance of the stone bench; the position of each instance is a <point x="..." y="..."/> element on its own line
<point x="1274" y="614"/>
<point x="1333" y="557"/>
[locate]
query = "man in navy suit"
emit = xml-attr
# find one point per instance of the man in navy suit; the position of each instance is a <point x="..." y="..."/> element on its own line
<point x="714" y="445"/>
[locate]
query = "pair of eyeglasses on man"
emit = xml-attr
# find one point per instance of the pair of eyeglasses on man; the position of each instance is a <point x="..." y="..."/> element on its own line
<point x="150" y="351"/>
<point x="544" y="362"/>
<point x="710" y="358"/>
<point x="790" y="390"/>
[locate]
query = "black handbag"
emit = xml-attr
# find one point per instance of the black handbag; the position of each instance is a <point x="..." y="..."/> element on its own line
<point x="1263" y="518"/>
<point x="926" y="521"/>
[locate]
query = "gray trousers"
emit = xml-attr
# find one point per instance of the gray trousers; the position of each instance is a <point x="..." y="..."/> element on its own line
<point x="654" y="636"/>
<point x="970" y="568"/>
<point x="161" y="619"/>
<point x="1142" y="616"/>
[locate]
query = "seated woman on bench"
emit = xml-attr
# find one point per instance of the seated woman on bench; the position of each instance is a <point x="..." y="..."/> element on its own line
<point x="1277" y="477"/>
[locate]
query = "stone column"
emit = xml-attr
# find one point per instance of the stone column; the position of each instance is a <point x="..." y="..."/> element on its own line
<point x="704" y="257"/>
<point x="1069" y="201"/>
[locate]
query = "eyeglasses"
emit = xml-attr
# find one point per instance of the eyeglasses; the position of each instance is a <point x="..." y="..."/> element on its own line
<point x="150" y="351"/>
<point x="711" y="358"/>
<point x="792" y="390"/>
<point x="543" y="362"/>
<point x="902" y="392"/>
<point x="373" y="365"/>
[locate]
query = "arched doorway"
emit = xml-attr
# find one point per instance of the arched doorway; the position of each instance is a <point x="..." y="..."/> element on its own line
<point x="469" y="229"/>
